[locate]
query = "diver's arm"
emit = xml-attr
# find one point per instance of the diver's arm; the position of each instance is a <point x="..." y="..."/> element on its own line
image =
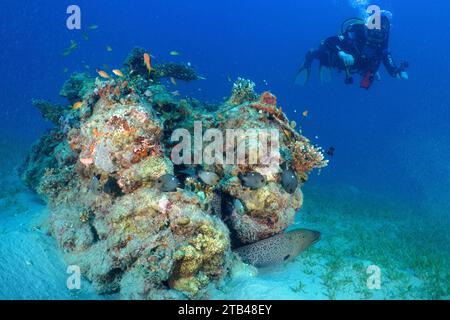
<point x="392" y="68"/>
<point x="390" y="65"/>
<point x="333" y="45"/>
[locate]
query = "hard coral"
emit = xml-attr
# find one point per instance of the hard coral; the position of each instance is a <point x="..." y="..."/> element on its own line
<point x="263" y="213"/>
<point x="268" y="98"/>
<point x="135" y="63"/>
<point x="119" y="136"/>
<point x="78" y="85"/>
<point x="202" y="259"/>
<point x="50" y="111"/>
<point x="177" y="71"/>
<point x="136" y="67"/>
<point x="306" y="157"/>
<point x="243" y="91"/>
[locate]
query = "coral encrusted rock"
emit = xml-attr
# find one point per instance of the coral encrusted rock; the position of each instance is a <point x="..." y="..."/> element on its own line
<point x="101" y="168"/>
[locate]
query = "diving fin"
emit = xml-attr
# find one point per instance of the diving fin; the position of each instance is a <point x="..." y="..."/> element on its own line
<point x="325" y="74"/>
<point x="302" y="77"/>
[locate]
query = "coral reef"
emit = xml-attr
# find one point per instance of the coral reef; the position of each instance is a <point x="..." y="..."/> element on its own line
<point x="258" y="214"/>
<point x="243" y="91"/>
<point x="98" y="169"/>
<point x="177" y="71"/>
<point x="137" y="69"/>
<point x="51" y="112"/>
<point x="78" y="85"/>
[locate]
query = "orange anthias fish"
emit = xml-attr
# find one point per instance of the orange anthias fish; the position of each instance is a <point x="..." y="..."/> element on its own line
<point x="174" y="82"/>
<point x="96" y="133"/>
<point x="305" y="113"/>
<point x="117" y="72"/>
<point x="147" y="62"/>
<point x="77" y="105"/>
<point x="117" y="91"/>
<point x="103" y="74"/>
<point x="92" y="148"/>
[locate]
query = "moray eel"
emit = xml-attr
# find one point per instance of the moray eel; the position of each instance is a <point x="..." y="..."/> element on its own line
<point x="279" y="248"/>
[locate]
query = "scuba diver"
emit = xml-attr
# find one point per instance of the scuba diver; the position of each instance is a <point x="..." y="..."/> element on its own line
<point x="358" y="50"/>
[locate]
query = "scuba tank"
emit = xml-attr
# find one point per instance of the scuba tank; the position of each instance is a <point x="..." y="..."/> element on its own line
<point x="346" y="31"/>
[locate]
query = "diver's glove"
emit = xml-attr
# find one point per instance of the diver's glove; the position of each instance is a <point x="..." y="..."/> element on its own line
<point x="403" y="75"/>
<point x="401" y="71"/>
<point x="346" y="58"/>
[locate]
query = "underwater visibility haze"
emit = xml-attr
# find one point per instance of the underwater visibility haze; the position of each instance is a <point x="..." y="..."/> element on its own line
<point x="356" y="205"/>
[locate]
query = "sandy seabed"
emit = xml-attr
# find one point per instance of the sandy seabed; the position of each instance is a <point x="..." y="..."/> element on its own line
<point x="411" y="252"/>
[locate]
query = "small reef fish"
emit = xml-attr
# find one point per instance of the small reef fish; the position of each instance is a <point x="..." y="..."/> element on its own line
<point x="93" y="27"/>
<point x="208" y="177"/>
<point x="252" y="180"/>
<point x="305" y="113"/>
<point x="174" y="82"/>
<point x="103" y="74"/>
<point x="289" y="180"/>
<point x="109" y="49"/>
<point x="167" y="183"/>
<point x="96" y="133"/>
<point x="77" y="105"/>
<point x="117" y="72"/>
<point x="175" y="93"/>
<point x="279" y="248"/>
<point x="68" y="51"/>
<point x="174" y="53"/>
<point x="331" y="151"/>
<point x="94" y="184"/>
<point x="85" y="36"/>
<point x="66" y="70"/>
<point x="147" y="62"/>
<point x="73" y="45"/>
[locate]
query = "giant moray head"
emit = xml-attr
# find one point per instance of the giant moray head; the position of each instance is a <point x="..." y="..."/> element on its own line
<point x="305" y="238"/>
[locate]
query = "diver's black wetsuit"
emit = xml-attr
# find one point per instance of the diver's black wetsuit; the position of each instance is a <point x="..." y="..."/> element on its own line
<point x="368" y="55"/>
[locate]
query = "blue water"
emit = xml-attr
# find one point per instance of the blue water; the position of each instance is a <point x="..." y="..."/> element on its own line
<point x="392" y="140"/>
